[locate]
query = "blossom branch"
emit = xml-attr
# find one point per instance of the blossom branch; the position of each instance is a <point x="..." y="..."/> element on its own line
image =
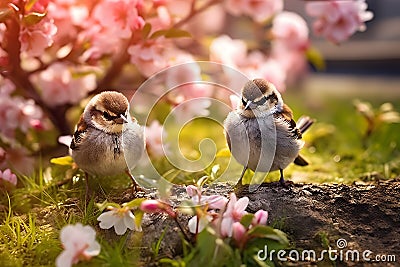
<point x="195" y="12"/>
<point x="19" y="77"/>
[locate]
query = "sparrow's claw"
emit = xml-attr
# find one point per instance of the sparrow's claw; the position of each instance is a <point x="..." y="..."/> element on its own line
<point x="284" y="182"/>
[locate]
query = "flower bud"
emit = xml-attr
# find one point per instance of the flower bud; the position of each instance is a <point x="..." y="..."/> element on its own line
<point x="238" y="231"/>
<point x="260" y="217"/>
<point x="151" y="206"/>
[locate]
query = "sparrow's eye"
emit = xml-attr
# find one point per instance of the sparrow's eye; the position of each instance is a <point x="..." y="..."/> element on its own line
<point x="107" y="116"/>
<point x="261" y="101"/>
<point x="272" y="97"/>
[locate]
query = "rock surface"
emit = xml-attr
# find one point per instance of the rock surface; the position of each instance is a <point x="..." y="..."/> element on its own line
<point x="365" y="216"/>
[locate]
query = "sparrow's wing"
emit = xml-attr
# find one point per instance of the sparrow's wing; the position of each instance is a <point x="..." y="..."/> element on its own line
<point x="300" y="161"/>
<point x="81" y="129"/>
<point x="287" y="116"/>
<point x="287" y="113"/>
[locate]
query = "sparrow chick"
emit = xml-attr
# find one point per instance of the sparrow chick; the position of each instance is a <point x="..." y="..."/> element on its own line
<point x="261" y="133"/>
<point x="104" y="133"/>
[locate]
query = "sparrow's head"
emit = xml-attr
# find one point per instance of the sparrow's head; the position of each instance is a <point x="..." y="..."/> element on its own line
<point x="107" y="111"/>
<point x="260" y="96"/>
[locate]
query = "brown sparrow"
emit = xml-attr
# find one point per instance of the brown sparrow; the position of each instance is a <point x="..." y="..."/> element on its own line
<point x="261" y="133"/>
<point x="104" y="133"/>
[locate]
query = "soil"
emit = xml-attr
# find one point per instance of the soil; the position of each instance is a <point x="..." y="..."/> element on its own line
<point x="363" y="216"/>
<point x="366" y="216"/>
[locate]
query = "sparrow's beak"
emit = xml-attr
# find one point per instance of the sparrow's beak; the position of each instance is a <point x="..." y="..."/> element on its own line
<point x="247" y="107"/>
<point x="123" y="119"/>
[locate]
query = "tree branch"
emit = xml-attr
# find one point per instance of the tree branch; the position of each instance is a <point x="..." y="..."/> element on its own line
<point x="20" y="78"/>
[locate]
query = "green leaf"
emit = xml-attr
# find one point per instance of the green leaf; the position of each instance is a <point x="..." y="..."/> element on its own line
<point x="33" y="18"/>
<point x="263" y="231"/>
<point x="63" y="161"/>
<point x="30" y="4"/>
<point x="5" y="13"/>
<point x="146" y="31"/>
<point x="134" y="203"/>
<point x="138" y="217"/>
<point x="315" y="58"/>
<point x="247" y="219"/>
<point x="171" y="33"/>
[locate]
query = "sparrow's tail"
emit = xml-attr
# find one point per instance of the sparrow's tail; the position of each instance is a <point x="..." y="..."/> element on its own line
<point x="303" y="123"/>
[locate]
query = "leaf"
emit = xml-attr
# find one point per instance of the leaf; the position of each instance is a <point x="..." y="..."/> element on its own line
<point x="33" y="18"/>
<point x="30" y="4"/>
<point x="146" y="31"/>
<point x="247" y="219"/>
<point x="171" y="33"/>
<point x="63" y="161"/>
<point x="263" y="231"/>
<point x="138" y="218"/>
<point x="5" y="14"/>
<point x="105" y="205"/>
<point x="134" y="203"/>
<point x="315" y="58"/>
<point x="224" y="153"/>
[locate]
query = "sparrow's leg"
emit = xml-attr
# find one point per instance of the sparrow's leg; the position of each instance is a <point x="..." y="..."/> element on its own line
<point x="282" y="180"/>
<point x="241" y="176"/>
<point x="135" y="186"/>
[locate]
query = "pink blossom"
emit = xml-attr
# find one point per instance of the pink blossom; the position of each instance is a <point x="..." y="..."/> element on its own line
<point x="290" y="31"/>
<point x="192" y="190"/>
<point x="190" y="95"/>
<point x="214" y="202"/>
<point x="184" y="71"/>
<point x="201" y="25"/>
<point x="40" y="6"/>
<point x="59" y="85"/>
<point x="338" y="20"/>
<point x="151" y="206"/>
<point x="8" y="176"/>
<point x="150" y="56"/>
<point x="258" y="10"/>
<point x="260" y="66"/>
<point x="260" y="218"/>
<point x="79" y="243"/>
<point x="163" y="20"/>
<point x="238" y="231"/>
<point x="234" y="213"/>
<point x="292" y="62"/>
<point x="16" y="112"/>
<point x="154" y="139"/>
<point x="100" y="42"/>
<point x="188" y="109"/>
<point x="227" y="51"/>
<point x="67" y="15"/>
<point x="18" y="158"/>
<point x="120" y="15"/>
<point x="36" y="38"/>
